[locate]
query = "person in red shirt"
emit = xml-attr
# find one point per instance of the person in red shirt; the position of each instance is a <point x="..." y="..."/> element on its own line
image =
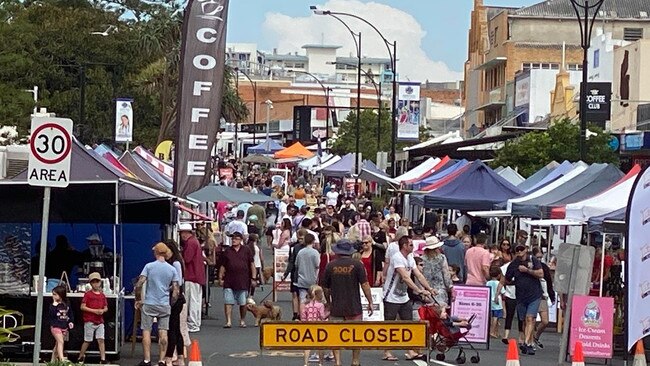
<point x="93" y="307"/>
<point x="194" y="276"/>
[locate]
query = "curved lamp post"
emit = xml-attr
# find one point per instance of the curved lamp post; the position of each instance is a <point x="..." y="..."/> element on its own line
<point x="586" y="12"/>
<point x="327" y="99"/>
<point x="393" y="61"/>
<point x="377" y="90"/>
<point x="254" y="85"/>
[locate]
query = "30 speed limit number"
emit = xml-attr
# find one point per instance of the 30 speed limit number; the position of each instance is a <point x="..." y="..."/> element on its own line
<point x="50" y="148"/>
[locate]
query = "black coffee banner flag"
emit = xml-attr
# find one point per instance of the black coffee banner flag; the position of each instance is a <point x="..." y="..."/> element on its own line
<point x="201" y="89"/>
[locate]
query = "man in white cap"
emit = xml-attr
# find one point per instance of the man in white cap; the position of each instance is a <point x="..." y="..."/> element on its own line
<point x="332" y="196"/>
<point x="194" y="276"/>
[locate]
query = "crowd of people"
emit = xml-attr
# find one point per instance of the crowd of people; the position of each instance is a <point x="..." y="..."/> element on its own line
<point x="340" y="245"/>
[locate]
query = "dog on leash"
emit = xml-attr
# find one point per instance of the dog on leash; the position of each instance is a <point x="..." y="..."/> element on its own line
<point x="267" y="274"/>
<point x="266" y="310"/>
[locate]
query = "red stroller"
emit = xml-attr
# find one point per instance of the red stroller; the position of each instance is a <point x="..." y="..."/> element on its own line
<point x="444" y="337"/>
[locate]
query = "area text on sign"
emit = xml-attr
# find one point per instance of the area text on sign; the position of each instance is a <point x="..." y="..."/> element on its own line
<point x="50" y="148"/>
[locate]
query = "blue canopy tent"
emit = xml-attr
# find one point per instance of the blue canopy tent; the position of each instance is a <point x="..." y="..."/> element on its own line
<point x="342" y="168"/>
<point x="441" y="174"/>
<point x="590" y="182"/>
<point x="269" y="146"/>
<point x="599" y="223"/>
<point x="476" y="188"/>
<point x="371" y="167"/>
<point x="556" y="173"/>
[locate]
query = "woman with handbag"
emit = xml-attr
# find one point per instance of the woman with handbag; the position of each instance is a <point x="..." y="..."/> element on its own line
<point x="177" y="340"/>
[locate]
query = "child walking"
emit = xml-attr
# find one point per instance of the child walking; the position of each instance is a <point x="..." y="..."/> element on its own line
<point x="60" y="316"/>
<point x="93" y="307"/>
<point x="314" y="311"/>
<point x="496" y="305"/>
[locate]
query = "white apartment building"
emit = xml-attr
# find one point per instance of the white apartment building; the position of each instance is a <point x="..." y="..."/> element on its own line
<point x="319" y="59"/>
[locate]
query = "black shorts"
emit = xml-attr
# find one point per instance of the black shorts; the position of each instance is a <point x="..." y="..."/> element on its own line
<point x="269" y="231"/>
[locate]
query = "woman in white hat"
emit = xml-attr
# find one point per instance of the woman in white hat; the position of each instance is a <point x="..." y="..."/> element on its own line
<point x="436" y="269"/>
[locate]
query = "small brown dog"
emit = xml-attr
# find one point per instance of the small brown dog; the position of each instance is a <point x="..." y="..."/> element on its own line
<point x="267" y="274"/>
<point x="264" y="311"/>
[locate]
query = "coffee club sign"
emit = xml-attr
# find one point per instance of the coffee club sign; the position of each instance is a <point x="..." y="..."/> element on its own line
<point x="599" y="97"/>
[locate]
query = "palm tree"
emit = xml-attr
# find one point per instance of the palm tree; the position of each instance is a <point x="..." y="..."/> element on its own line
<point x="161" y="40"/>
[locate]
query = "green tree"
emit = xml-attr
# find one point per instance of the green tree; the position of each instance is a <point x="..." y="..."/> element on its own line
<point x="347" y="132"/>
<point x="534" y="150"/>
<point x="46" y="42"/>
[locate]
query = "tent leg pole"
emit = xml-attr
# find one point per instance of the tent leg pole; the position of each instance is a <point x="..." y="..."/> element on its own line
<point x="602" y="267"/>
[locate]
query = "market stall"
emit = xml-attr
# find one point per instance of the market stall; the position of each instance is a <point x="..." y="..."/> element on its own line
<point x="102" y="222"/>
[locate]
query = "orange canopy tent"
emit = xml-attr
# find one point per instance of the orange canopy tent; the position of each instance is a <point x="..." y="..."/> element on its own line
<point x="296" y="150"/>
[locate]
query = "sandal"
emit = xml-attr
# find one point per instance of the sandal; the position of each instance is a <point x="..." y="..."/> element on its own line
<point x="390" y="358"/>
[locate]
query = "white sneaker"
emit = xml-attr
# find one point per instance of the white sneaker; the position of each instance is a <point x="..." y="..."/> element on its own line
<point x="314" y="357"/>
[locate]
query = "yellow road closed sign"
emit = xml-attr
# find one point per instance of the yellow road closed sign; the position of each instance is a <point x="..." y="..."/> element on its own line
<point x="343" y="335"/>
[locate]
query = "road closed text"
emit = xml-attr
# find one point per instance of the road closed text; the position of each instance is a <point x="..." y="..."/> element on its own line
<point x="357" y="335"/>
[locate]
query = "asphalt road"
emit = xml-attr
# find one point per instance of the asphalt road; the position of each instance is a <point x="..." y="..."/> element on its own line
<point x="240" y="346"/>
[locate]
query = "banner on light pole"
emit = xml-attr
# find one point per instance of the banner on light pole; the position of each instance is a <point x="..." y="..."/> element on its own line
<point x="408" y="111"/>
<point x="124" y="120"/>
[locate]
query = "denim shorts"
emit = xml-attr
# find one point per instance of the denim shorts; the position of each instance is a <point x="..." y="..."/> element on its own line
<point x="528" y="309"/>
<point x="497" y="313"/>
<point x="232" y="297"/>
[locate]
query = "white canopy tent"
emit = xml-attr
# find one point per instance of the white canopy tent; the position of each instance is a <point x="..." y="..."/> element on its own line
<point x="314" y="161"/>
<point x="579" y="168"/>
<point x="610" y="200"/>
<point x="324" y="165"/>
<point x="418" y="171"/>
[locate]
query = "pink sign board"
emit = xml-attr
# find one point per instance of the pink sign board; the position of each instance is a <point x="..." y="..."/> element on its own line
<point x="470" y="301"/>
<point x="592" y="323"/>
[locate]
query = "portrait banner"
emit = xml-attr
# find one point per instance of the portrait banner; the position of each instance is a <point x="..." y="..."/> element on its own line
<point x="408" y="111"/>
<point x="123" y="120"/>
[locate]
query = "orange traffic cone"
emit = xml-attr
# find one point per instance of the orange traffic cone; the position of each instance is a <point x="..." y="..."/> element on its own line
<point x="578" y="356"/>
<point x="512" y="357"/>
<point x="639" y="355"/>
<point x="195" y="354"/>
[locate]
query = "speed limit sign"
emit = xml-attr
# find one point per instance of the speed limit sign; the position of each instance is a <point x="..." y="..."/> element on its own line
<point x="50" y="145"/>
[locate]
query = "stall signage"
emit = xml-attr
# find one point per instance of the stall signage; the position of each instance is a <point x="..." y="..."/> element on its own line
<point x="50" y="146"/>
<point x="592" y="323"/>
<point x="280" y="263"/>
<point x="347" y="335"/>
<point x="473" y="301"/>
<point x="598" y="102"/>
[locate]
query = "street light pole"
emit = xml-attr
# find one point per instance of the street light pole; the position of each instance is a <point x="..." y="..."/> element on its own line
<point x="393" y="59"/>
<point x="377" y="90"/>
<point x="327" y="98"/>
<point x="583" y="9"/>
<point x="269" y="106"/>
<point x="254" y="86"/>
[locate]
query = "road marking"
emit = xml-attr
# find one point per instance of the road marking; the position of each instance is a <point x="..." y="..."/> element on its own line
<point x="441" y="363"/>
<point x="253" y="354"/>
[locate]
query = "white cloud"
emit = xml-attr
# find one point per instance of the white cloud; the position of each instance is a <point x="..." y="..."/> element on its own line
<point x="290" y="34"/>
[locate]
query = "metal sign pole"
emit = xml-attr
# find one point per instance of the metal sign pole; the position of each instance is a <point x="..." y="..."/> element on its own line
<point x="41" y="273"/>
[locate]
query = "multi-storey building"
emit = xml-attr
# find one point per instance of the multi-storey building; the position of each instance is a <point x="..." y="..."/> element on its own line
<point x="506" y="41"/>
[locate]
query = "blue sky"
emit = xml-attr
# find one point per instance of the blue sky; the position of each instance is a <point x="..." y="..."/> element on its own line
<point x="440" y="29"/>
